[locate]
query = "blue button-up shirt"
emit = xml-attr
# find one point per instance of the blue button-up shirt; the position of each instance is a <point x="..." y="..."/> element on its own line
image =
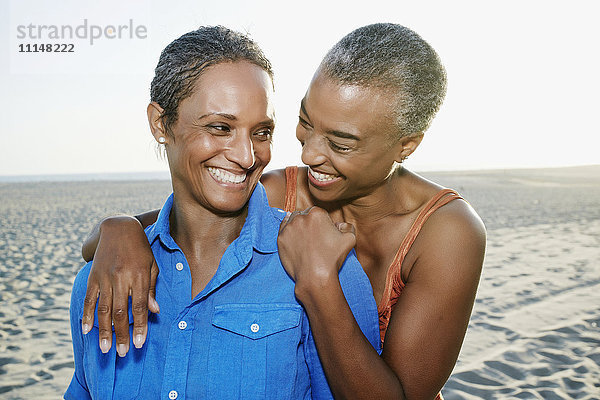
<point x="243" y="336"/>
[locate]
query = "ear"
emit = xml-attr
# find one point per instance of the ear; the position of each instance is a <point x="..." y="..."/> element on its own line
<point x="406" y="146"/>
<point x="155" y="112"/>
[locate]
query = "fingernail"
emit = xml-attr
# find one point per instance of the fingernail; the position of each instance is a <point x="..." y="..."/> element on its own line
<point x="155" y="305"/>
<point x="121" y="349"/>
<point x="138" y="340"/>
<point x="104" y="346"/>
<point x="85" y="328"/>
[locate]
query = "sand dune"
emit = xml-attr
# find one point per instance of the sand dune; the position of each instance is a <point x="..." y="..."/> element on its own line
<point x="534" y="333"/>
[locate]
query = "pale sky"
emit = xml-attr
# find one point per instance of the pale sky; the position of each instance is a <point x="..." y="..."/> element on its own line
<point x="523" y="78"/>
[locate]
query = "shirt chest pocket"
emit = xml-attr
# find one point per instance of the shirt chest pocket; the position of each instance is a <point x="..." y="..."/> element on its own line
<point x="254" y="347"/>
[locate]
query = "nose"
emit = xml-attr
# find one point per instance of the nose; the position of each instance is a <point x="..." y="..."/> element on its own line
<point x="311" y="148"/>
<point x="241" y="150"/>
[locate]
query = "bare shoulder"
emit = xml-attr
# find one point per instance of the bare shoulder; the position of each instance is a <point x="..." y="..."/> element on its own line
<point x="274" y="183"/>
<point x="456" y="224"/>
<point x="459" y="217"/>
<point x="451" y="242"/>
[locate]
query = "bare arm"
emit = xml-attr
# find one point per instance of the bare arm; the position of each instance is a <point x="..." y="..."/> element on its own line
<point x="427" y="325"/>
<point x="91" y="243"/>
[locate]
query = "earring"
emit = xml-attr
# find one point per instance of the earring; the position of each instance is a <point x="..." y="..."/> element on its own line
<point x="161" y="140"/>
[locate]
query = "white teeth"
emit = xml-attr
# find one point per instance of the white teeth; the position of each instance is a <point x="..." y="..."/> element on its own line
<point x="322" y="177"/>
<point x="225" y="176"/>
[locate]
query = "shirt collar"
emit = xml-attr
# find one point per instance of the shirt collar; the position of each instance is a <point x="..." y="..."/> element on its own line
<point x="262" y="223"/>
<point x="259" y="231"/>
<point x="161" y="228"/>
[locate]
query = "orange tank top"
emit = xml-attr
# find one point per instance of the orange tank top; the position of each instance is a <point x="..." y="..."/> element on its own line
<point x="393" y="283"/>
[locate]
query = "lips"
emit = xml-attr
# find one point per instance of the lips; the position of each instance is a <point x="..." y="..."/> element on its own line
<point x="321" y="179"/>
<point x="224" y="176"/>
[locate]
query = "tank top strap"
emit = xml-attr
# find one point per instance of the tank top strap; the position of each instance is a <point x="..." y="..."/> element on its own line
<point x="442" y="198"/>
<point x="291" y="181"/>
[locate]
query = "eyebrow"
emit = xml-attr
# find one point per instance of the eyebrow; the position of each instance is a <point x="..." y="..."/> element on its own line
<point x="343" y="135"/>
<point x="224" y="115"/>
<point x="340" y="134"/>
<point x="267" y="122"/>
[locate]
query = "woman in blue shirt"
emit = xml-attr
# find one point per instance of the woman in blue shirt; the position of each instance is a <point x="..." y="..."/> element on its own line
<point x="230" y="326"/>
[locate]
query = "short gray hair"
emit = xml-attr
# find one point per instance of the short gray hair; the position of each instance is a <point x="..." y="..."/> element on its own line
<point x="186" y="58"/>
<point x="392" y="57"/>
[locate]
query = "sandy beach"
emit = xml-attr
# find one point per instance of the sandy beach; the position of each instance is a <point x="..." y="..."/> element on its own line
<point x="534" y="332"/>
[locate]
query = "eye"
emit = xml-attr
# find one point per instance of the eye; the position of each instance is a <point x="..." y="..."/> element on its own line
<point x="219" y="129"/>
<point x="303" y="122"/>
<point x="339" y="148"/>
<point x="264" y="134"/>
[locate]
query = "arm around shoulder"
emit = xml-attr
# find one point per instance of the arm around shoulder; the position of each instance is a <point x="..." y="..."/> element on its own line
<point x="88" y="249"/>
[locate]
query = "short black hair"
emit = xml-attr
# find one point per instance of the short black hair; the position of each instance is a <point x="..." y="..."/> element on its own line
<point x="183" y="61"/>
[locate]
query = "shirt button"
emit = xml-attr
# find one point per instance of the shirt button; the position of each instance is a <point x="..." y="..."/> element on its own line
<point x="173" y="394"/>
<point x="254" y="328"/>
<point x="182" y="325"/>
<point x="179" y="266"/>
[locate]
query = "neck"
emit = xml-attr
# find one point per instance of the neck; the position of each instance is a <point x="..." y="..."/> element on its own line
<point x="200" y="232"/>
<point x="390" y="197"/>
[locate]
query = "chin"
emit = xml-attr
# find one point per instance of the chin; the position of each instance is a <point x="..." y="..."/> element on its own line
<point x="321" y="195"/>
<point x="230" y="202"/>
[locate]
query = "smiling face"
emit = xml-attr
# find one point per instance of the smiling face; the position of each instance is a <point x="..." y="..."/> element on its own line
<point x="221" y="141"/>
<point x="347" y="136"/>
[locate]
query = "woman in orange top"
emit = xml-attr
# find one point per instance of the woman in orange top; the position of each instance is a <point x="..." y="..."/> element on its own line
<point x="422" y="246"/>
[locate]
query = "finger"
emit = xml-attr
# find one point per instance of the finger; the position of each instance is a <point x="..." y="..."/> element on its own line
<point x="345" y="227"/>
<point x="349" y="238"/>
<point x="309" y="209"/>
<point x="284" y="222"/>
<point x="120" y="317"/>
<point x="139" y="309"/>
<point x="89" y="306"/>
<point x="288" y="218"/>
<point x="348" y="234"/>
<point x="105" y="319"/>
<point x="318" y="213"/>
<point x="152" y="303"/>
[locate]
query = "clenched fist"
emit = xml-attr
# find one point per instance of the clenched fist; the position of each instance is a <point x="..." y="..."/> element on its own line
<point x="312" y="248"/>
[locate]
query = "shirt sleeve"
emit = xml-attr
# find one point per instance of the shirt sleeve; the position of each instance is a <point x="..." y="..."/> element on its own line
<point x="78" y="387"/>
